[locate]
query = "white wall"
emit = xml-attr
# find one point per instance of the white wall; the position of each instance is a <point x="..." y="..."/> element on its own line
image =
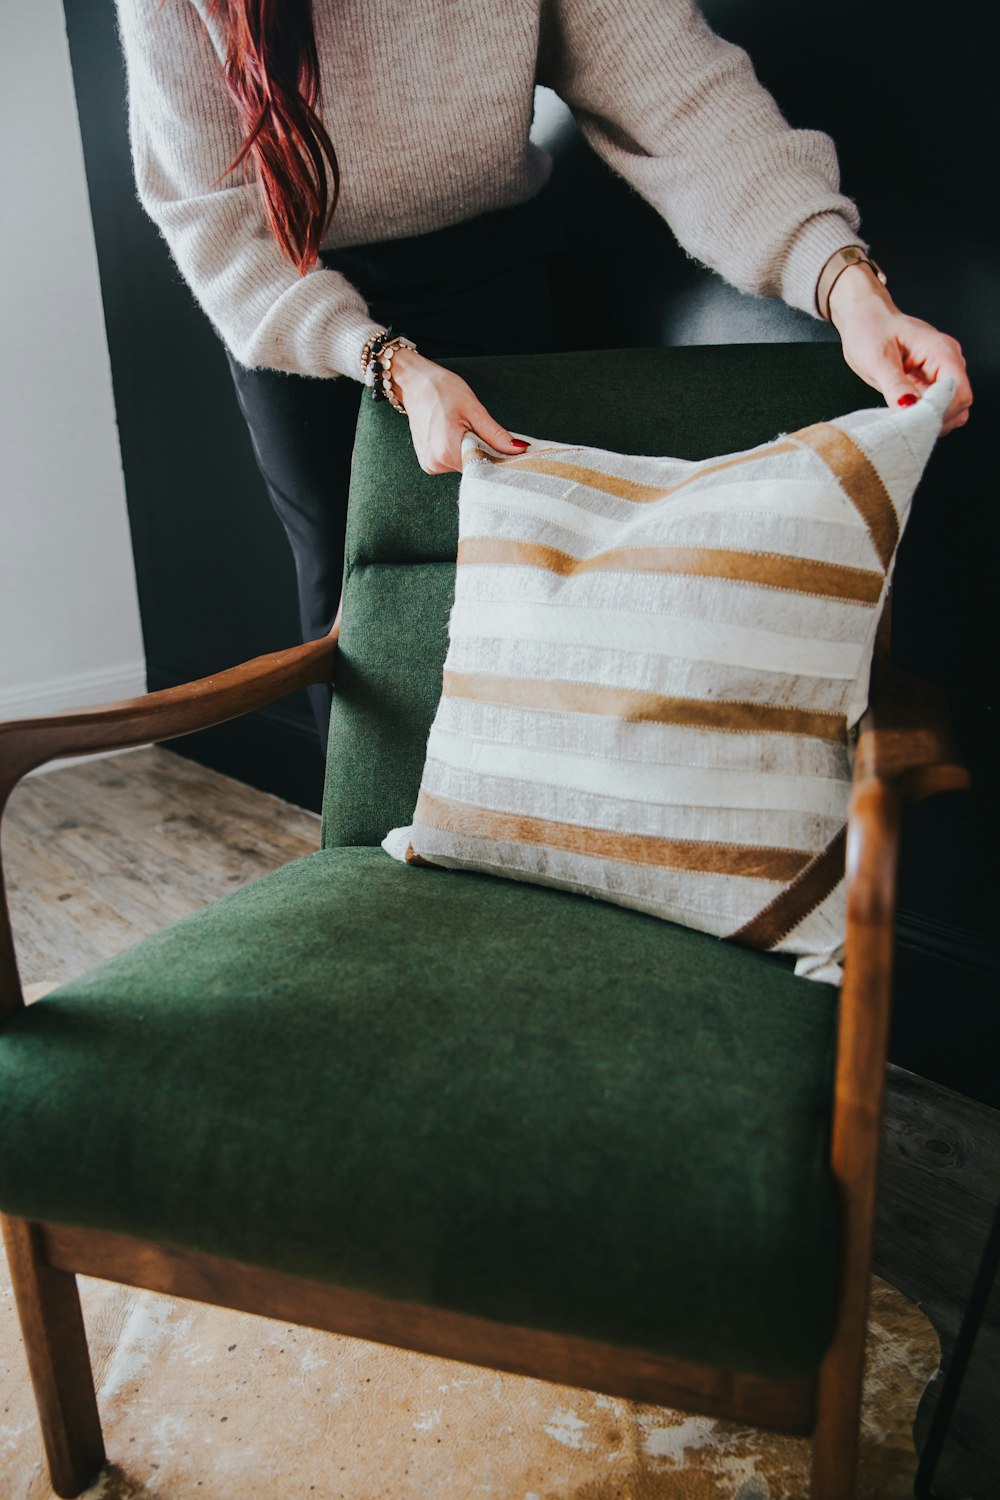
<point x="69" y="618"/>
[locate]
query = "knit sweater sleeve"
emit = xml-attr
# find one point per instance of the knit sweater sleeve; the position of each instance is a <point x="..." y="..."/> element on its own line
<point x="680" y="114"/>
<point x="185" y="134"/>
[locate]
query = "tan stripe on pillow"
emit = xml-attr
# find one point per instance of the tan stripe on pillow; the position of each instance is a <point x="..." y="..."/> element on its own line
<point x="631" y="489"/>
<point x="861" y="482"/>
<point x="791" y="906"/>
<point x="760" y="863"/>
<point x="645" y="708"/>
<point x="670" y="676"/>
<point x="766" y="569"/>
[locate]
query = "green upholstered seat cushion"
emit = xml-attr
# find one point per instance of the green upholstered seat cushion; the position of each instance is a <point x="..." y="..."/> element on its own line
<point x="452" y="1089"/>
<point x="403" y="524"/>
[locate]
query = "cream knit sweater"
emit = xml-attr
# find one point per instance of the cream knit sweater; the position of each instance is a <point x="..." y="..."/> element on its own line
<point x="429" y="105"/>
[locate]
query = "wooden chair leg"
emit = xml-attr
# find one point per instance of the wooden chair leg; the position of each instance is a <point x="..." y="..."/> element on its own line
<point x="56" y="1345"/>
<point x="838" y="1414"/>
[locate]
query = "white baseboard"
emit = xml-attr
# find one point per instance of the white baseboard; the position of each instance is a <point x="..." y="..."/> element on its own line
<point x="78" y="690"/>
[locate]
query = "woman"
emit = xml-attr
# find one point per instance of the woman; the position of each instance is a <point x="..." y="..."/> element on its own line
<point x="325" y="169"/>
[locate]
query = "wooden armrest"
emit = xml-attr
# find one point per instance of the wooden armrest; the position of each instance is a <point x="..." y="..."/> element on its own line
<point x="906" y="738"/>
<point x="906" y="751"/>
<point x="28" y="743"/>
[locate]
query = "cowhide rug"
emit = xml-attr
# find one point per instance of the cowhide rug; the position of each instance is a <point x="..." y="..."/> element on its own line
<point x="203" y="1404"/>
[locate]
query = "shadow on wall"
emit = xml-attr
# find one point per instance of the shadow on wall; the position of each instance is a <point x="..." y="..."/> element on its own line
<point x="625" y="280"/>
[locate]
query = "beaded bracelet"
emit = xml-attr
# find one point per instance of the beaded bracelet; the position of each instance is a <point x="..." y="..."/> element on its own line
<point x="366" y="352"/>
<point x="385" y="362"/>
<point x="376" y="365"/>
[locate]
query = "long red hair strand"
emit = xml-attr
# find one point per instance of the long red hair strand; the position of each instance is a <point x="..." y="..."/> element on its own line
<point x="272" y="74"/>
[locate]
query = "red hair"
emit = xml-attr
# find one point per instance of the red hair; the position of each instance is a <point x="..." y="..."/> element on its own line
<point x="272" y="73"/>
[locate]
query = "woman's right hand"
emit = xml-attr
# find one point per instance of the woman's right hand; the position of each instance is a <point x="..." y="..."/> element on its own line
<point x="442" y="409"/>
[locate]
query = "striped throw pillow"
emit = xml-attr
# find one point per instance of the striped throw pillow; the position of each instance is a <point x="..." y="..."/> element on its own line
<point x="654" y="667"/>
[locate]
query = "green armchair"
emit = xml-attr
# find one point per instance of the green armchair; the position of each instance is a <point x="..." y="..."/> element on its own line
<point x="452" y="1113"/>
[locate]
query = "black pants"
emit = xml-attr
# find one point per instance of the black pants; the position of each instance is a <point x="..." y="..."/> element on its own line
<point x="480" y="287"/>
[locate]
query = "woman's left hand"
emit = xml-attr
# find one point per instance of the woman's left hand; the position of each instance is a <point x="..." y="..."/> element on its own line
<point x="896" y="354"/>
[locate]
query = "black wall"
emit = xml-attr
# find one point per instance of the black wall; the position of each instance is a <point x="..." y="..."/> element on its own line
<point x="908" y="104"/>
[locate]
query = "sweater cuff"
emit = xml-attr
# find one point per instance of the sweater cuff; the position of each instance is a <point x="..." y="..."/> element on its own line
<point x="808" y="253"/>
<point x="349" y="334"/>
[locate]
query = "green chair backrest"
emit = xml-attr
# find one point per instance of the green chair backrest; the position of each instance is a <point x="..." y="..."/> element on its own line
<point x="402" y="529"/>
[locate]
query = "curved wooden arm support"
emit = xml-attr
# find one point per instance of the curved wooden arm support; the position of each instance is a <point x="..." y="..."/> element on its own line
<point x="906" y="737"/>
<point x="906" y="751"/>
<point x="28" y="743"/>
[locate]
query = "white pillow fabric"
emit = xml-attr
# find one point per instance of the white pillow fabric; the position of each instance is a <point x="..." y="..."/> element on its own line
<point x="653" y="670"/>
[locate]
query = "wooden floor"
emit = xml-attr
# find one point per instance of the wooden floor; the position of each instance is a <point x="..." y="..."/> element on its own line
<point x="102" y="854"/>
<point x="938" y="1192"/>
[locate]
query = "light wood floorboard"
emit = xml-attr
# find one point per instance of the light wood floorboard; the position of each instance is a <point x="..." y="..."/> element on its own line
<point x="102" y="854"/>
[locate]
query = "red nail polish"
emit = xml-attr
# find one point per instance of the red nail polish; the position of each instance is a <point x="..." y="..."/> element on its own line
<point x="519" y="443"/>
<point x="908" y="400"/>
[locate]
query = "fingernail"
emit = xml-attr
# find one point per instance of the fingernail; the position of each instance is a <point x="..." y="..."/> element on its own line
<point x="908" y="400"/>
<point x="519" y="443"/>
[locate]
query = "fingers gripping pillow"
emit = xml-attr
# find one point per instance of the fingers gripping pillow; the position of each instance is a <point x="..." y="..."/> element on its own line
<point x="654" y="667"/>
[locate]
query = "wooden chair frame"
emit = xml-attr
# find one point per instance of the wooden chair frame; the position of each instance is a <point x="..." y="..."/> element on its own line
<point x="904" y="752"/>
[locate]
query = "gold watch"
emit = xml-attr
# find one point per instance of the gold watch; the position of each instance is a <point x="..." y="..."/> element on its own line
<point x="839" y="262"/>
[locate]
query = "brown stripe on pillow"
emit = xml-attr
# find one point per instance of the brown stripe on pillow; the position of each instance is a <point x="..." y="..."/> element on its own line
<point x="611" y="484"/>
<point x="646" y="708"/>
<point x="799" y="575"/>
<point x="791" y="906"/>
<point x="860" y="480"/>
<point x="759" y="863"/>
<point x="631" y="489"/>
